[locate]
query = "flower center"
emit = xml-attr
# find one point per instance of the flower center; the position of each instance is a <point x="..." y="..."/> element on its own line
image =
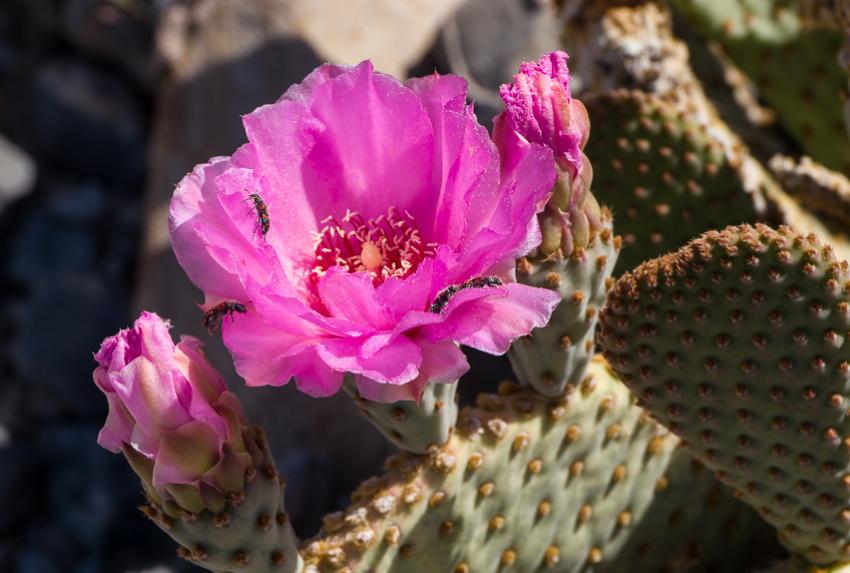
<point x="389" y="245"/>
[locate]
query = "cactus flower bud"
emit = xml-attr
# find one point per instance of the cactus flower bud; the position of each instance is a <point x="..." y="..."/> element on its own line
<point x="171" y="415"/>
<point x="540" y="109"/>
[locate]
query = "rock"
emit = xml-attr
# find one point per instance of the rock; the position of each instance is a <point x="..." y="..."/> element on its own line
<point x="78" y="202"/>
<point x="88" y="121"/>
<point x="116" y="32"/>
<point x="27" y="27"/>
<point x="17" y="172"/>
<point x="17" y="472"/>
<point x="486" y="40"/>
<point x="45" y="247"/>
<point x="32" y="560"/>
<point x="82" y="493"/>
<point x="395" y="35"/>
<point x="62" y="325"/>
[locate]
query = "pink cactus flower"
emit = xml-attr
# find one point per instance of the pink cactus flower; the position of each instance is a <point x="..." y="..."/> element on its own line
<point x="540" y="108"/>
<point x="367" y="227"/>
<point x="166" y="402"/>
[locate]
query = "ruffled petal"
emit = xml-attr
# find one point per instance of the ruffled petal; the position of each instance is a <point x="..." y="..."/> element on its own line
<point x="528" y="175"/>
<point x="387" y="358"/>
<point x="539" y="106"/>
<point x="442" y="363"/>
<point x="214" y="231"/>
<point x="465" y="184"/>
<point x="363" y="142"/>
<point x="352" y="296"/>
<point x="118" y="428"/>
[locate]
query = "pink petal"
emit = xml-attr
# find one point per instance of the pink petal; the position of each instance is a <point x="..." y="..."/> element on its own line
<point x="152" y="399"/>
<point x="490" y="319"/>
<point x="439" y="92"/>
<point x="303" y="92"/>
<point x="363" y="142"/>
<point x="268" y="352"/>
<point x="353" y="297"/>
<point x="195" y="366"/>
<point x="528" y="174"/>
<point x="213" y="231"/>
<point x="442" y="363"/>
<point x="466" y="168"/>
<point x="118" y="428"/>
<point x="385" y="358"/>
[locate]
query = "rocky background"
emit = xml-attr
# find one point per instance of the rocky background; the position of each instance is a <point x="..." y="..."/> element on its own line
<point x="104" y="105"/>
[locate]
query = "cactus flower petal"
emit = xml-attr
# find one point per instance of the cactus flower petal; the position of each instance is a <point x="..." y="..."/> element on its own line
<point x="356" y="202"/>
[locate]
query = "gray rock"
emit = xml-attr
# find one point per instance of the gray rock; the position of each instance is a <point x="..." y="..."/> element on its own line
<point x="89" y="121"/>
<point x="486" y="41"/>
<point x="17" y="172"/>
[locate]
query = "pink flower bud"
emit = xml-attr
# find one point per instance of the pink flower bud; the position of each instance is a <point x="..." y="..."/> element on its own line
<point x="170" y="412"/>
<point x="539" y="107"/>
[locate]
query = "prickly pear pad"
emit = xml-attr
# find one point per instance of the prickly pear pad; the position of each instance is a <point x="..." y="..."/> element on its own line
<point x="584" y="483"/>
<point x="738" y="343"/>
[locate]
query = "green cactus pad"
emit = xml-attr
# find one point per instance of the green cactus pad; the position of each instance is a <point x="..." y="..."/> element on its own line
<point x="584" y="483"/>
<point x="413" y="426"/>
<point x="251" y="534"/>
<point x="664" y="176"/>
<point x="738" y="343"/>
<point x="555" y="357"/>
<point x="794" y="68"/>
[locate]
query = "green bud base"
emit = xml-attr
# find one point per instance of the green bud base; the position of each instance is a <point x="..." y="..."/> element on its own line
<point x="252" y="534"/>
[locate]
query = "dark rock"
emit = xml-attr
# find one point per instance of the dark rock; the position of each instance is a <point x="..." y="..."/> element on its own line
<point x="89" y="121"/>
<point x="82" y="202"/>
<point x="17" y="494"/>
<point x="17" y="172"/>
<point x="45" y="248"/>
<point x="62" y="326"/>
<point x="33" y="560"/>
<point x="87" y="491"/>
<point x="27" y="27"/>
<point x="309" y="477"/>
<point x="119" y="33"/>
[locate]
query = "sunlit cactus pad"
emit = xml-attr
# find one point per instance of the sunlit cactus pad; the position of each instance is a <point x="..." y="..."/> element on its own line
<point x="585" y="483"/>
<point x="738" y="343"/>
<point x="663" y="175"/>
